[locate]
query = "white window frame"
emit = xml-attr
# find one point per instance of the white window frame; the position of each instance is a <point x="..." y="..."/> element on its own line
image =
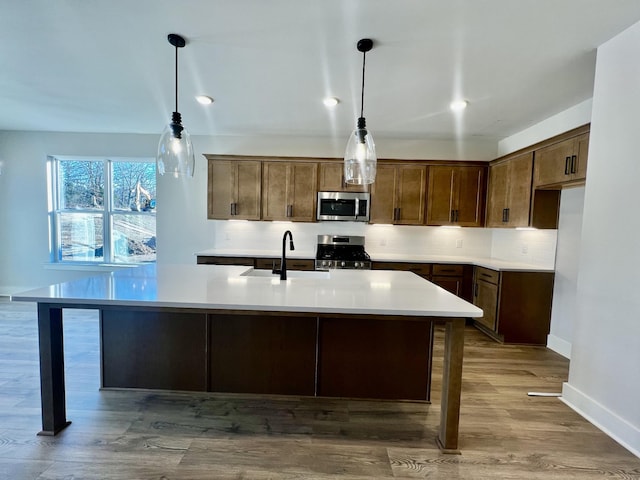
<point x="107" y="211"/>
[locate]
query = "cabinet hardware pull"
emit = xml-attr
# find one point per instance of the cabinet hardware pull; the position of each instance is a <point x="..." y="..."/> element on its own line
<point x="457" y="215"/>
<point x="453" y="216"/>
<point x="485" y="275"/>
<point x="231" y="209"/>
<point x="235" y="209"/>
<point x="504" y="214"/>
<point x="508" y="211"/>
<point x="566" y="165"/>
<point x="573" y="163"/>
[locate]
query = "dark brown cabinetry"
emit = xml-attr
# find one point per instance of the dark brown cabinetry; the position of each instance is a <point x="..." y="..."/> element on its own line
<point x="421" y="269"/>
<point x="289" y="191"/>
<point x="257" y="262"/>
<point x="456" y="196"/>
<point x="516" y="305"/>
<point x="561" y="164"/>
<point x="449" y="277"/>
<point x="234" y="188"/>
<point x="398" y="195"/>
<point x="331" y="179"/>
<point x="509" y="198"/>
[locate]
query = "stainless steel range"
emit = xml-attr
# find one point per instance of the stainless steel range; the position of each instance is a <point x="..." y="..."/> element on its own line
<point x="340" y="251"/>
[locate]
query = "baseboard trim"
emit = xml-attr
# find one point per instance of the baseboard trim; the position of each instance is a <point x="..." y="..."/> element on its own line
<point x="613" y="425"/>
<point x="559" y="345"/>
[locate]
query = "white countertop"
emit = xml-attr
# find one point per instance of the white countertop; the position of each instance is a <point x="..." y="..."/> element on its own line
<point x="371" y="292"/>
<point x="492" y="263"/>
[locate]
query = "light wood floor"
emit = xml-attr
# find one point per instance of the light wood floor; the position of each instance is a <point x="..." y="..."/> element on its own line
<point x="140" y="435"/>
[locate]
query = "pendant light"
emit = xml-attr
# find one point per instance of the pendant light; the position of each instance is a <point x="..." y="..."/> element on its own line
<point x="360" y="156"/>
<point x="175" y="150"/>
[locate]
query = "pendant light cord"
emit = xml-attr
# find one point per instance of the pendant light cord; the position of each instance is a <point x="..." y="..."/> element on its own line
<point x="176" y="79"/>
<point x="364" y="57"/>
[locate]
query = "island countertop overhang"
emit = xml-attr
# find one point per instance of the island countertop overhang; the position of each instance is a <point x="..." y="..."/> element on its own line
<point x="354" y="292"/>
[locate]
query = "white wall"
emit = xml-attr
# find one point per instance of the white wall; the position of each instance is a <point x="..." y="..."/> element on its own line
<point x="604" y="376"/>
<point x="567" y="263"/>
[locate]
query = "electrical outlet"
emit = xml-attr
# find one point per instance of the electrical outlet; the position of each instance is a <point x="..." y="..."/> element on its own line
<point x="383" y="242"/>
<point x="459" y="243"/>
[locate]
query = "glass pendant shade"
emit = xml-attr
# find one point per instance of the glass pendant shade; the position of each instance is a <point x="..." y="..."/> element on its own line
<point x="360" y="159"/>
<point x="175" y="151"/>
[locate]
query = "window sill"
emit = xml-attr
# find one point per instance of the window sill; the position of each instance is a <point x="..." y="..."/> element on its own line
<point x="89" y="267"/>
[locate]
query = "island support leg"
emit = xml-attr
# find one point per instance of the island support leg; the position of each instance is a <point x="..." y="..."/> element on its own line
<point x="447" y="438"/>
<point x="52" y="390"/>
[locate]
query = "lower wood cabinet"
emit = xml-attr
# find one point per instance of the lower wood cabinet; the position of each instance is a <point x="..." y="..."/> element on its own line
<point x="364" y="358"/>
<point x="516" y="305"/>
<point x="257" y="262"/>
<point x="267" y="353"/>
<point x="421" y="269"/>
<point x="156" y="350"/>
<point x="263" y="354"/>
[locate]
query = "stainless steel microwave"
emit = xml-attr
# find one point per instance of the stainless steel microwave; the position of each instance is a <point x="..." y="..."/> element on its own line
<point x="344" y="206"/>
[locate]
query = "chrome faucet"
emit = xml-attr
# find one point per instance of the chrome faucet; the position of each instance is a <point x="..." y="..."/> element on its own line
<point x="283" y="260"/>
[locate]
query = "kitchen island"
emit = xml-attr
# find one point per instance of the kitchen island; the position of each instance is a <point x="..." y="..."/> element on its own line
<point x="342" y="333"/>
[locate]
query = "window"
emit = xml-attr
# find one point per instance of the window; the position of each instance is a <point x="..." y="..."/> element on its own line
<point x="102" y="210"/>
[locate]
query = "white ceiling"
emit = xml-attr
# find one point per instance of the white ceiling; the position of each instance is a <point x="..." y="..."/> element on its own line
<point x="106" y="65"/>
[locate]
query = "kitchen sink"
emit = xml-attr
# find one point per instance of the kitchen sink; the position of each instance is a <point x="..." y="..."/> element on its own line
<point x="314" y="274"/>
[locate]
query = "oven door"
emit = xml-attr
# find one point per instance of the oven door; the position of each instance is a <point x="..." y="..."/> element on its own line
<point x="343" y="206"/>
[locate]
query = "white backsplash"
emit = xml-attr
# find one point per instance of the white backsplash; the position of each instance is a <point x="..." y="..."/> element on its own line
<point x="535" y="247"/>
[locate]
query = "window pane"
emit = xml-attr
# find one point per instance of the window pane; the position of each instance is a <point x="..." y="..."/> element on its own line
<point x="81" y="184"/>
<point x="134" y="238"/>
<point x="134" y="186"/>
<point x="81" y="237"/>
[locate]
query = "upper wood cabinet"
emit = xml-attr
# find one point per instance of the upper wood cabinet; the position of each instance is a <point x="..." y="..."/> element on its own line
<point x="234" y="189"/>
<point x="509" y="198"/>
<point x="562" y="163"/>
<point x="331" y="179"/>
<point x="398" y="194"/>
<point x="456" y="196"/>
<point x="289" y="191"/>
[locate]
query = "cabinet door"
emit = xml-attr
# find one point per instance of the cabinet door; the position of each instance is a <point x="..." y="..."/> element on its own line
<point x="519" y="186"/>
<point x="301" y="191"/>
<point x="383" y="193"/>
<point x="411" y="194"/>
<point x="486" y="297"/>
<point x="451" y="284"/>
<point x="440" y="196"/>
<point x="274" y="191"/>
<point x="220" y="191"/>
<point x="582" y="149"/>
<point x="553" y="163"/>
<point x="498" y="191"/>
<point x="247" y="187"/>
<point x="331" y="179"/>
<point x="468" y="194"/>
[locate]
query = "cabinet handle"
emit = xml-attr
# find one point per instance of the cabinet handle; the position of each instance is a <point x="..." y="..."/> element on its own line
<point x="504" y="214"/>
<point x="231" y="209"/>
<point x="235" y="208"/>
<point x="508" y="211"/>
<point x="453" y="216"/>
<point x="289" y="210"/>
<point x="457" y="215"/>
<point x="396" y="213"/>
<point x="573" y="163"/>
<point x="485" y="275"/>
<point x="567" y="161"/>
<point x="475" y="290"/>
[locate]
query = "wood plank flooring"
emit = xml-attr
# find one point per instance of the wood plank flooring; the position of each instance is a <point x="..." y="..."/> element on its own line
<point x="504" y="434"/>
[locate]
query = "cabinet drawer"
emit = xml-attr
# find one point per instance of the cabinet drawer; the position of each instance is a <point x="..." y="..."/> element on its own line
<point x="292" y="264"/>
<point x="487" y="275"/>
<point x="444" y="270"/>
<point x="422" y="269"/>
<point x="209" y="260"/>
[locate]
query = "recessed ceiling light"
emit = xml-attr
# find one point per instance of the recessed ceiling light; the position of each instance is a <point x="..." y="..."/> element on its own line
<point x="204" y="99"/>
<point x="458" y="105"/>
<point x="330" y="101"/>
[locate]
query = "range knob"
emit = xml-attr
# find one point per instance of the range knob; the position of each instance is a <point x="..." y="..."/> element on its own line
<point x="357" y="265"/>
<point x="342" y="264"/>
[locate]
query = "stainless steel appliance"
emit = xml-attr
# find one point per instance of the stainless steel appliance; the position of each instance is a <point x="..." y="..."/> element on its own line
<point x="341" y="251"/>
<point x="344" y="206"/>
